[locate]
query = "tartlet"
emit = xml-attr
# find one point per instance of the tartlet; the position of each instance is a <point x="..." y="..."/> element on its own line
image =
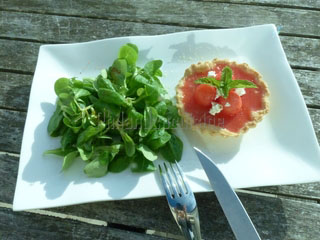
<point x="255" y="101"/>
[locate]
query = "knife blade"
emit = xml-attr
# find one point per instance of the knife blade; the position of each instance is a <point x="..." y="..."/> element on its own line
<point x="232" y="207"/>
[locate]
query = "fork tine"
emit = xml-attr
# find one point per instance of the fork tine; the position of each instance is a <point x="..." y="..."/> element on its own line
<point x="186" y="185"/>
<point x="166" y="185"/>
<point x="171" y="182"/>
<point x="178" y="180"/>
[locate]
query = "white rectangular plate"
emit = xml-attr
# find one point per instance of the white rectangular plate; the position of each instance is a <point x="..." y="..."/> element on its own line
<point x="282" y="149"/>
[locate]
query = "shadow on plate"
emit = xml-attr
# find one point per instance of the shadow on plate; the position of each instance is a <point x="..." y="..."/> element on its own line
<point x="219" y="149"/>
<point x="190" y="50"/>
<point x="46" y="170"/>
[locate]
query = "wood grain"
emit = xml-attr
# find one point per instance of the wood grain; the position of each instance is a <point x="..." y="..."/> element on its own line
<point x="23" y="225"/>
<point x="59" y="29"/>
<point x="11" y="130"/>
<point x="274" y="217"/>
<point x="309" y="4"/>
<point x="204" y="14"/>
<point x="309" y="82"/>
<point x="14" y="91"/>
<point x="301" y="52"/>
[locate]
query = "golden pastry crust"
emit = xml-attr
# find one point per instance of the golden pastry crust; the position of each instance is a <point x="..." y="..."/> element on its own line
<point x="212" y="129"/>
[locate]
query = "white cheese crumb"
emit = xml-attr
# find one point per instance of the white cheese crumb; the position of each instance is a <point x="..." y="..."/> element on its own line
<point x="216" y="108"/>
<point x="217" y="95"/>
<point x="240" y="91"/>
<point x="227" y="104"/>
<point x="212" y="74"/>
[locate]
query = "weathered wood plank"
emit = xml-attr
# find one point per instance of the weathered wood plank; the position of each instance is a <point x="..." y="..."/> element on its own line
<point x="309" y="82"/>
<point x="8" y="175"/>
<point x="19" y="56"/>
<point x="48" y="28"/>
<point x="15" y="88"/>
<point x="23" y="225"/>
<point x="204" y="14"/>
<point x="272" y="216"/>
<point x="302" y="52"/>
<point x="312" y="4"/>
<point x="315" y="118"/>
<point x="11" y="130"/>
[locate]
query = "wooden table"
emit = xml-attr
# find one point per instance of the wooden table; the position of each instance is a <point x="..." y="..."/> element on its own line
<point x="279" y="212"/>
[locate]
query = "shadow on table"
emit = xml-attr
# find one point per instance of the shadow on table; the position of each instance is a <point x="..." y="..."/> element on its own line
<point x="46" y="170"/>
<point x="266" y="213"/>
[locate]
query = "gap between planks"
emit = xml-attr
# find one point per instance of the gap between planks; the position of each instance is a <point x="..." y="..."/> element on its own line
<point x="94" y="222"/>
<point x="278" y="195"/>
<point x="263" y="4"/>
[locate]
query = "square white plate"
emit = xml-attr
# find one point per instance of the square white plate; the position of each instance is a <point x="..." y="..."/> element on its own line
<point x="282" y="149"/>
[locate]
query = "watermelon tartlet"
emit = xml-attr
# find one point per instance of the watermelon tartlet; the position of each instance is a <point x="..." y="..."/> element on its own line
<point x="222" y="97"/>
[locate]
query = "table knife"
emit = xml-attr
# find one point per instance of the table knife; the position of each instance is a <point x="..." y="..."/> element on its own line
<point x="237" y="216"/>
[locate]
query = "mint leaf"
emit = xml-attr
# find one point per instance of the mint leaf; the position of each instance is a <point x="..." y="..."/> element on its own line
<point x="226" y="83"/>
<point x="226" y="78"/>
<point x="242" y="84"/>
<point x="209" y="80"/>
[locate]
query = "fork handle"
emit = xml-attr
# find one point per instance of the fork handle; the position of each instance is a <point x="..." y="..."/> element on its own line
<point x="195" y="224"/>
<point x="190" y="225"/>
<point x="185" y="229"/>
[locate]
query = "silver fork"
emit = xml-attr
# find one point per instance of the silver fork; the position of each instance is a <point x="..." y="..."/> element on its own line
<point x="181" y="201"/>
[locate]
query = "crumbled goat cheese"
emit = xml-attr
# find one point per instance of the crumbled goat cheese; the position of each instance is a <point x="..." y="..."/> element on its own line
<point x="240" y="91"/>
<point x="216" y="108"/>
<point x="212" y="74"/>
<point x="217" y="95"/>
<point x="227" y="104"/>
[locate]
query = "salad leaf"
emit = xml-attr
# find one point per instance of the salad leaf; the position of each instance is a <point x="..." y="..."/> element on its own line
<point x="55" y="122"/>
<point x="149" y="119"/>
<point x="152" y="67"/>
<point x="129" y="144"/>
<point x="172" y="151"/>
<point x="69" y="159"/>
<point x="111" y="96"/>
<point x="95" y="168"/>
<point x="90" y="132"/>
<point x="118" y="71"/>
<point x="120" y="164"/>
<point x="118" y="118"/>
<point x="147" y="152"/>
<point x="142" y="164"/>
<point x="129" y="52"/>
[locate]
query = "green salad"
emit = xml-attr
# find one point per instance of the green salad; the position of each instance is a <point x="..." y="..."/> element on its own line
<point x="120" y="119"/>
